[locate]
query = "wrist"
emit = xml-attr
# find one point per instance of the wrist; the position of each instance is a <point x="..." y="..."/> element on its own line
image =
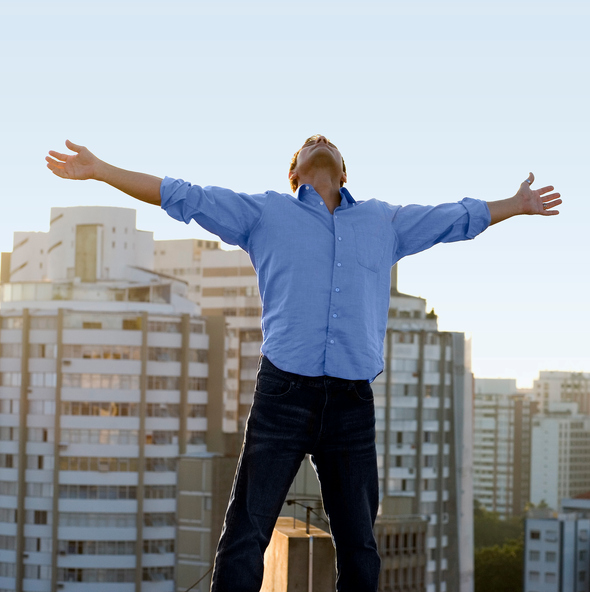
<point x="521" y="205"/>
<point x="100" y="171"/>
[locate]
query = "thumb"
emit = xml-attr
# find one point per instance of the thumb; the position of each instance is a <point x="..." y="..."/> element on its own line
<point x="73" y="147"/>
<point x="530" y="179"/>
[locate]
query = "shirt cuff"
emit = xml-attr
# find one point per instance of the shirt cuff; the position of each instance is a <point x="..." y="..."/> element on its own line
<point x="479" y="216"/>
<point x="167" y="188"/>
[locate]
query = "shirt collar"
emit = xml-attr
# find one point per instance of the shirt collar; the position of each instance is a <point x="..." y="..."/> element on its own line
<point x="306" y="192"/>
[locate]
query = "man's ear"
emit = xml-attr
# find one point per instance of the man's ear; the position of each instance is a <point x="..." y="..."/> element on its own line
<point x="344" y="178"/>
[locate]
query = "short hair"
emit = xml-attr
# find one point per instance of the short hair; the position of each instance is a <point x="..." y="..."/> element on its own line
<point x="293" y="164"/>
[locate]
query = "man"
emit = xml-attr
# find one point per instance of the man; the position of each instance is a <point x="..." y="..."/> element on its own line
<point x="323" y="262"/>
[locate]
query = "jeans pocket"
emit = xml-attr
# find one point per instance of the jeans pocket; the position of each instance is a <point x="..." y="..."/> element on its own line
<point x="272" y="386"/>
<point x="363" y="390"/>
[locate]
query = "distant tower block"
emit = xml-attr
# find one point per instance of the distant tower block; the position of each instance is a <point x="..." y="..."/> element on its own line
<point x="296" y="560"/>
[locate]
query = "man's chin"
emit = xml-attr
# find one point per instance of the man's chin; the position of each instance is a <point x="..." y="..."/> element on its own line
<point x="323" y="159"/>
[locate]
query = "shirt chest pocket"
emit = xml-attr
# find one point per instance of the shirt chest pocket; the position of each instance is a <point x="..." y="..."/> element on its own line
<point x="371" y="242"/>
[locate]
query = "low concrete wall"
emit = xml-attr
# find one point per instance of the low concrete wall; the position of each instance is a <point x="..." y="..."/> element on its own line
<point x="287" y="559"/>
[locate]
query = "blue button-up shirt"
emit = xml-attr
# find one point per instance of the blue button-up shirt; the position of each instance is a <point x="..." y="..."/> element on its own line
<point x="324" y="279"/>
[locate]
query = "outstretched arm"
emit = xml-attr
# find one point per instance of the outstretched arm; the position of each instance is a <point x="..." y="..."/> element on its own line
<point x="526" y="201"/>
<point x="84" y="165"/>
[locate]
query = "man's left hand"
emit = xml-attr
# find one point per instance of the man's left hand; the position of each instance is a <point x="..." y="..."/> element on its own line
<point x="525" y="201"/>
<point x="535" y="201"/>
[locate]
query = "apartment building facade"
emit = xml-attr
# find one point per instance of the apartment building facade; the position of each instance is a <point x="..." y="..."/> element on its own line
<point x="502" y="446"/>
<point x="103" y="384"/>
<point x="181" y="259"/>
<point x="557" y="549"/>
<point x="560" y="454"/>
<point x="423" y="405"/>
<point x="554" y="386"/>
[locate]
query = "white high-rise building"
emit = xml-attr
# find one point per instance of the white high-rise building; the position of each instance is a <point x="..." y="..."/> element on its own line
<point x="554" y="386"/>
<point x="103" y="383"/>
<point x="501" y="446"/>
<point x="560" y="454"/>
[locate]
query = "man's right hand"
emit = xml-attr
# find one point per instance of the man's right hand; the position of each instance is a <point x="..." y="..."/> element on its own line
<point x="84" y="165"/>
<point x="80" y="166"/>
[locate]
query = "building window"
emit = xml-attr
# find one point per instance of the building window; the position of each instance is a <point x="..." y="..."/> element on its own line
<point x="158" y="546"/>
<point x="196" y="438"/>
<point x="534" y="576"/>
<point x="535" y="535"/>
<point x="105" y="492"/>
<point x="197" y="384"/>
<point x="157" y="574"/>
<point x="550" y="578"/>
<point x="551" y="556"/>
<point x="44" y="323"/>
<point x="7" y="543"/>
<point x="171" y="383"/>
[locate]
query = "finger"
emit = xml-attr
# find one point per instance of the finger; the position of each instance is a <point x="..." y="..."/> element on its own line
<point x="551" y="204"/>
<point x="59" y="155"/>
<point x="545" y="189"/>
<point x="550" y="197"/>
<point x="54" y="163"/>
<point x="57" y="171"/>
<point x="529" y="180"/>
<point x="73" y="147"/>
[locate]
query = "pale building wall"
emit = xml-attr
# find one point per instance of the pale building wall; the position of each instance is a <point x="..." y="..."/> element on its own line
<point x="556" y="553"/>
<point x="28" y="262"/>
<point x="115" y="390"/>
<point x="560" y="454"/>
<point x="182" y="259"/>
<point x="52" y="255"/>
<point x="545" y="457"/>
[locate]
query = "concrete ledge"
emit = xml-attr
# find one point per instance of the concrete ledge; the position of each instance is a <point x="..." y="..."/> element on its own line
<point x="287" y="559"/>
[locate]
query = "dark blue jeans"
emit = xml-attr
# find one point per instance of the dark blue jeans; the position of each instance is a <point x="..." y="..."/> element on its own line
<point x="331" y="419"/>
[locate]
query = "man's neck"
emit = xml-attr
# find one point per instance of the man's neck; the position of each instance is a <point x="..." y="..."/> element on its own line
<point x="328" y="189"/>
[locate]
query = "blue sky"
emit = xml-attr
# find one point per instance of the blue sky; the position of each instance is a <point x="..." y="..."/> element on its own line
<point x="427" y="101"/>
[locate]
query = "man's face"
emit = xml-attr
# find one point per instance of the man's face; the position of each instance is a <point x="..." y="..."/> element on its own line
<point x="318" y="153"/>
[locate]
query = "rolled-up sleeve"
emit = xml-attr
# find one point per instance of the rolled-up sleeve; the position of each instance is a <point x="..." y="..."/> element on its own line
<point x="420" y="227"/>
<point x="229" y="215"/>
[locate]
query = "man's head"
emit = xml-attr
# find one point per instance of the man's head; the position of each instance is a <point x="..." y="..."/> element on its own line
<point x="316" y="152"/>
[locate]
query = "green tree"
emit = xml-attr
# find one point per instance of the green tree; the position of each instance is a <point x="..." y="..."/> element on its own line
<point x="489" y="529"/>
<point x="499" y="569"/>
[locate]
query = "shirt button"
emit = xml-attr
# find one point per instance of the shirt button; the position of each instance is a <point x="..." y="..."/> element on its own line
<point x="321" y="203"/>
<point x="306" y="187"/>
<point x="337" y="290"/>
<point x="339" y="238"/>
<point x="331" y="341"/>
<point x="335" y="316"/>
<point x="335" y="216"/>
<point x="338" y="264"/>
